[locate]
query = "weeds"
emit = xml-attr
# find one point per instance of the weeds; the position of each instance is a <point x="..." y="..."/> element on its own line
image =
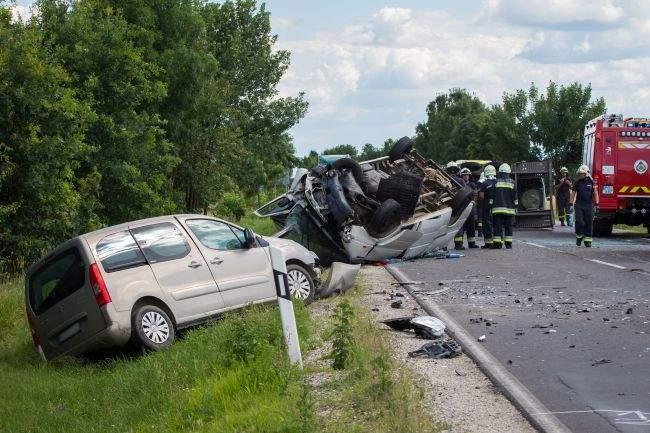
<point x="342" y="339"/>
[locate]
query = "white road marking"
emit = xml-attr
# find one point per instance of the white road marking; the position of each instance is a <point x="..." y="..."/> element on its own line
<point x="607" y="264"/>
<point x="535" y="245"/>
<point x="629" y="417"/>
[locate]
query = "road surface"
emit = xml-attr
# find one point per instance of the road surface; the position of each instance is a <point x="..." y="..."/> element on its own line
<point x="571" y="323"/>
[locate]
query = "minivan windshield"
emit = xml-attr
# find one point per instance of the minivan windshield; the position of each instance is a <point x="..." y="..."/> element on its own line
<point x="58" y="278"/>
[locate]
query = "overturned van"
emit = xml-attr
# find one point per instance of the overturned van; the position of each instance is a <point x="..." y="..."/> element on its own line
<point x="398" y="206"/>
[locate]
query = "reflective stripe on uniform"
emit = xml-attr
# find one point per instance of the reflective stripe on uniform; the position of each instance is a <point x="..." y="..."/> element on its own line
<point x="579" y="236"/>
<point x="458" y="239"/>
<point x="508" y="238"/>
<point x="505" y="185"/>
<point x="587" y="239"/>
<point x="497" y="241"/>
<point x="503" y="210"/>
<point x="488" y="241"/>
<point x="471" y="239"/>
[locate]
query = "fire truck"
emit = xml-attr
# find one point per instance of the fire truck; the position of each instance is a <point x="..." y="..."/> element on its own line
<point x="617" y="152"/>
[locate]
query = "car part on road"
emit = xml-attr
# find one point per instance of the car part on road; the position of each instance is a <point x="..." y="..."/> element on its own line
<point x="438" y="349"/>
<point x="424" y="326"/>
<point x="342" y="276"/>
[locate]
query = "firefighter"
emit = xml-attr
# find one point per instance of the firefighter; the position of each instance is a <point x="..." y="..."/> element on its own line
<point x="584" y="199"/>
<point x="486" y="198"/>
<point x="479" y="206"/>
<point x="563" y="194"/>
<point x="469" y="226"/>
<point x="503" y="207"/>
<point x="453" y="169"/>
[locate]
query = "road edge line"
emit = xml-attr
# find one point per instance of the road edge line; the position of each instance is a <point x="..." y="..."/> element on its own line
<point x="530" y="407"/>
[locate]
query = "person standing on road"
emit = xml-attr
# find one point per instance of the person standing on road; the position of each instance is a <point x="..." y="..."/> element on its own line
<point x="479" y="206"/>
<point x="503" y="210"/>
<point x="563" y="194"/>
<point x="486" y="199"/>
<point x="469" y="226"/>
<point x="584" y="199"/>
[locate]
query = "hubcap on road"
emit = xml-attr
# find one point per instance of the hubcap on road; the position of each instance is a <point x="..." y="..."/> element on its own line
<point x="155" y="327"/>
<point x="298" y="284"/>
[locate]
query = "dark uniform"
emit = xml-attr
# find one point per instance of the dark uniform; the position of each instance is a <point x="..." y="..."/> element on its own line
<point x="503" y="210"/>
<point x="563" y="187"/>
<point x="469" y="227"/>
<point x="584" y="209"/>
<point x="487" y="188"/>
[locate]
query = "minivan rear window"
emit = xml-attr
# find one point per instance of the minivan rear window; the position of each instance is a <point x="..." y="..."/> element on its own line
<point x="57" y="279"/>
<point x="119" y="251"/>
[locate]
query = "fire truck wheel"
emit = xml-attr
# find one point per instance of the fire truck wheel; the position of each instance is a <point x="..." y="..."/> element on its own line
<point x="403" y="146"/>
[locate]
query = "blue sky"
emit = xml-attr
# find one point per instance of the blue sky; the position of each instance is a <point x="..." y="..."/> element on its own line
<point x="369" y="68"/>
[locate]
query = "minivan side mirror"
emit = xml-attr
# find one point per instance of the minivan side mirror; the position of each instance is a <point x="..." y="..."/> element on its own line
<point x="249" y="238"/>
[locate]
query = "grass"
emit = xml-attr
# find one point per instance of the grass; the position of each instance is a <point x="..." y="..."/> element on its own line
<point x="261" y="226"/>
<point x="226" y="377"/>
<point x="632" y="229"/>
<point x="372" y="393"/>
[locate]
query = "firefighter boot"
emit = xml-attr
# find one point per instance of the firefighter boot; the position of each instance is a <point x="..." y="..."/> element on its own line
<point x="508" y="245"/>
<point x="458" y="246"/>
<point x="578" y="240"/>
<point x="496" y="245"/>
<point x="587" y="242"/>
<point x="562" y="222"/>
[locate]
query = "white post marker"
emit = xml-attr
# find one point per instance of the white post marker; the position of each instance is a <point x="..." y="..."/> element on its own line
<point x="286" y="306"/>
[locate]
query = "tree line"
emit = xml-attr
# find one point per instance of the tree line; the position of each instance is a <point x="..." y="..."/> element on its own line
<point x="528" y="125"/>
<point x="113" y="111"/>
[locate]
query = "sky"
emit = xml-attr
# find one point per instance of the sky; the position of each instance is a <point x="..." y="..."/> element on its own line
<point x="369" y="68"/>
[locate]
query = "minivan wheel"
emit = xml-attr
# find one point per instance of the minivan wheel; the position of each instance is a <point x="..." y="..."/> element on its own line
<point x="301" y="285"/>
<point x="152" y="328"/>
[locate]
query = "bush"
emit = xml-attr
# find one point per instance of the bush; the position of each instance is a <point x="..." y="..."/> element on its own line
<point x="232" y="205"/>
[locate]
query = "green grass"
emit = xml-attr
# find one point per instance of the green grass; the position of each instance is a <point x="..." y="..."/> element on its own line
<point x="632" y="229"/>
<point x="261" y="226"/>
<point x="373" y="394"/>
<point x="231" y="376"/>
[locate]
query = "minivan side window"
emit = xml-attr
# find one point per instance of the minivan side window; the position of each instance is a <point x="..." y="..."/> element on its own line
<point x="215" y="235"/>
<point x="161" y="242"/>
<point x="57" y="279"/>
<point x="119" y="251"/>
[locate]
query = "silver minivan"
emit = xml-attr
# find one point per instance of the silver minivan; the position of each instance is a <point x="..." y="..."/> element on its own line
<point x="144" y="280"/>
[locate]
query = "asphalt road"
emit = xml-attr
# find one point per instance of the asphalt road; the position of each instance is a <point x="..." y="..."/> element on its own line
<point x="571" y="323"/>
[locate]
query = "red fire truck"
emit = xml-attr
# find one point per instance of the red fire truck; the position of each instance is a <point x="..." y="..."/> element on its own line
<point x="617" y="151"/>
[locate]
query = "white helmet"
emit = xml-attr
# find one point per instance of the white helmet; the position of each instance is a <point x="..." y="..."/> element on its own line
<point x="464" y="171"/>
<point x="481" y="178"/>
<point x="583" y="169"/>
<point x="504" y="168"/>
<point x="451" y="164"/>
<point x="489" y="170"/>
<point x="564" y="170"/>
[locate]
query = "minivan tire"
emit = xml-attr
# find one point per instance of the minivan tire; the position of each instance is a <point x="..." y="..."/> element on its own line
<point x="152" y="328"/>
<point x="403" y="146"/>
<point x="296" y="274"/>
<point x="385" y="219"/>
<point x="351" y="165"/>
<point x="461" y="200"/>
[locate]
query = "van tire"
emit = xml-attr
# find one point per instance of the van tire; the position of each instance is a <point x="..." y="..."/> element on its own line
<point x="385" y="219"/>
<point x="352" y="166"/>
<point x="152" y="328"/>
<point x="403" y="146"/>
<point x="301" y="277"/>
<point x="461" y="200"/>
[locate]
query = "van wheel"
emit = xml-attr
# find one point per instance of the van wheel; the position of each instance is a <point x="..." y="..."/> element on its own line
<point x="152" y="328"/>
<point x="301" y="285"/>
<point x="403" y="146"/>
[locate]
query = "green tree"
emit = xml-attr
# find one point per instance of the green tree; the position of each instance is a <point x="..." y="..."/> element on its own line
<point x="43" y="124"/>
<point x="453" y="126"/>
<point x="342" y="149"/>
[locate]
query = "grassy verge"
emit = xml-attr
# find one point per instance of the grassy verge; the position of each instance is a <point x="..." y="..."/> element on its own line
<point x="631" y="229"/>
<point x="227" y="377"/>
<point x="371" y="393"/>
<point x="261" y="226"/>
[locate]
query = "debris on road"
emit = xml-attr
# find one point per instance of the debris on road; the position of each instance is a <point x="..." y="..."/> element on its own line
<point x="428" y="327"/>
<point x="396" y="304"/>
<point x="342" y="276"/>
<point x="481" y="338"/>
<point x="438" y="349"/>
<point x="601" y="362"/>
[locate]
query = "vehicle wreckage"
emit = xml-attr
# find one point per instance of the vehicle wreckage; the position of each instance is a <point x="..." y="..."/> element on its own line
<point x="397" y="206"/>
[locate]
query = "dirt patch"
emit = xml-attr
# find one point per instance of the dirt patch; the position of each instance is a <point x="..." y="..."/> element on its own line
<point x="456" y="391"/>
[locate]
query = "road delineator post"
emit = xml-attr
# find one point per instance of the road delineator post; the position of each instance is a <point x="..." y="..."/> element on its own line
<point x="286" y="306"/>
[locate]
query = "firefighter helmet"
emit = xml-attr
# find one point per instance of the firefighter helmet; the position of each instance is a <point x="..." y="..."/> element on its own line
<point x="452" y="164"/>
<point x="504" y="168"/>
<point x="490" y="170"/>
<point x="583" y="169"/>
<point x="465" y="171"/>
<point x="564" y="170"/>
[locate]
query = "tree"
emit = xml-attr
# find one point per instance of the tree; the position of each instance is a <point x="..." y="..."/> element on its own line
<point x="453" y="126"/>
<point x="342" y="149"/>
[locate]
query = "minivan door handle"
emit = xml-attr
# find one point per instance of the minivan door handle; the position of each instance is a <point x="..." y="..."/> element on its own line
<point x="216" y="261"/>
<point x="194" y="264"/>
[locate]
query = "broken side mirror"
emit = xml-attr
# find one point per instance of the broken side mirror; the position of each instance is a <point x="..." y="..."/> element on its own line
<point x="249" y="238"/>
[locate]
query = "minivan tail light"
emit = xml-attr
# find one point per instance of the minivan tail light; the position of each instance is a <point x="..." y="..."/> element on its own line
<point x="99" y="286"/>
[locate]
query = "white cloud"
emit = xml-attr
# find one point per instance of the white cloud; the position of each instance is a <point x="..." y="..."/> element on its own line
<point x="573" y="14"/>
<point x="19" y="12"/>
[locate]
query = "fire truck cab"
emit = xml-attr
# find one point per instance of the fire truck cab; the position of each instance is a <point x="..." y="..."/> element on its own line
<point x="617" y="152"/>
